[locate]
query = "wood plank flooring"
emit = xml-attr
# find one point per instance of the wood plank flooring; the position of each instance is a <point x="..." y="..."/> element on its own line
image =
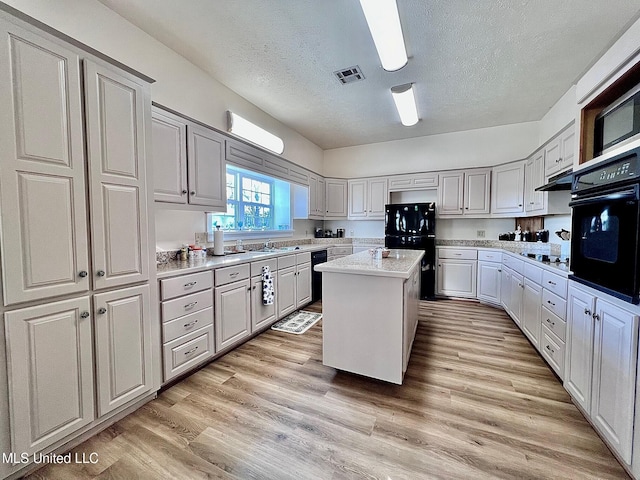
<point x="477" y="402"/>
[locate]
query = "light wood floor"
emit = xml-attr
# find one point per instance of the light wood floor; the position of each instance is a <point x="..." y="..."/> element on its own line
<point x="477" y="402"/>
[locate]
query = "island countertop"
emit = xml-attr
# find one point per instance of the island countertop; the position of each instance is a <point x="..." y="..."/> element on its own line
<point x="399" y="264"/>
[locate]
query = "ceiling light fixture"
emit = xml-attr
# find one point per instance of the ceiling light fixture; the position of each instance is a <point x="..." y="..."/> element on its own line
<point x="405" y="101"/>
<point x="384" y="25"/>
<point x="253" y="133"/>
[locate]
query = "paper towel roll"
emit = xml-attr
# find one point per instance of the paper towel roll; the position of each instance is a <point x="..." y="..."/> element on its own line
<point x="218" y="242"/>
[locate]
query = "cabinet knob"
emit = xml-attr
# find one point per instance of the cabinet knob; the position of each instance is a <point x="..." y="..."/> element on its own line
<point x="84" y="315"/>
<point x="519" y="204"/>
<point x="596" y="316"/>
<point x="82" y="274"/>
<point x="587" y="311"/>
<point x="499" y="270"/>
<point x="100" y="273"/>
<point x="184" y="192"/>
<point x="102" y="310"/>
<point x="254" y="287"/>
<point x="193" y="192"/>
<point x="466" y="208"/>
<point x="249" y="289"/>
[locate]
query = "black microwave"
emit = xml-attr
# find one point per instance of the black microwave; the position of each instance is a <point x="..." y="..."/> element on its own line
<point x="618" y="124"/>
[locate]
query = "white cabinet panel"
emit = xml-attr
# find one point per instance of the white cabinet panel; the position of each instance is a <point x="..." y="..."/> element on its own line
<point x="450" y="194"/>
<point x="303" y="284"/>
<point x="169" y="140"/>
<point x="377" y="198"/>
<point x="123" y="346"/>
<point x="476" y="192"/>
<point x="233" y="313"/>
<point x="489" y="281"/>
<point x="507" y="189"/>
<point x="531" y="311"/>
<point x="534" y="178"/>
<point x="261" y="314"/>
<point x="457" y="278"/>
<point x="116" y="146"/>
<point x="206" y="168"/>
<point x="357" y="198"/>
<point x="516" y="297"/>
<point x="286" y="291"/>
<point x="50" y="367"/>
<point x="336" y="198"/>
<point x="42" y="180"/>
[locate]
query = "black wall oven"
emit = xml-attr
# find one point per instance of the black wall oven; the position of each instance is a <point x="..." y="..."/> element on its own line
<point x="605" y="238"/>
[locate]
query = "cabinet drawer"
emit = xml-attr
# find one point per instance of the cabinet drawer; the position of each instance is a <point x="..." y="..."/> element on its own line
<point x="533" y="273"/>
<point x="232" y="274"/>
<point x="552" y="349"/>
<point x="286" y="261"/>
<point x="340" y="251"/>
<point x="187" y="304"/>
<point x="553" y="323"/>
<point x="256" y="267"/>
<point x="413" y="181"/>
<point x="303" y="257"/>
<point x="187" y="324"/>
<point x="196" y="282"/>
<point x="555" y="283"/>
<point x="490" y="255"/>
<point x="514" y="264"/>
<point x="459" y="254"/>
<point x="186" y="352"/>
<point x="554" y="303"/>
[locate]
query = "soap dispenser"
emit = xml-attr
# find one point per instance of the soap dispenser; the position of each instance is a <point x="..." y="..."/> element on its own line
<point x="518" y="234"/>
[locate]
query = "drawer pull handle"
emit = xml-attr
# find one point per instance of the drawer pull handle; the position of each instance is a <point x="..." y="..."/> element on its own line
<point x="551" y="283"/>
<point x="458" y="254"/>
<point x="234" y="274"/>
<point x="190" y="324"/>
<point x="587" y="311"/>
<point x="190" y="305"/>
<point x="190" y="284"/>
<point x="550" y="322"/>
<point x="191" y="351"/>
<point x="551" y="303"/>
<point x="550" y="349"/>
<point x="499" y="270"/>
<point x="596" y="316"/>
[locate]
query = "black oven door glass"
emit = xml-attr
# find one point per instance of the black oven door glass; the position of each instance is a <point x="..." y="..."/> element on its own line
<point x="604" y="243"/>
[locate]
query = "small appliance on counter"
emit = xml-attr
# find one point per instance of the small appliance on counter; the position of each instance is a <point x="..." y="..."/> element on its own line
<point x="319" y="233"/>
<point x="340" y="232"/>
<point x="328" y="234"/>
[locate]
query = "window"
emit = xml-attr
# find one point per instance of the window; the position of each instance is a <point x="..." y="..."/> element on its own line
<point x="255" y="203"/>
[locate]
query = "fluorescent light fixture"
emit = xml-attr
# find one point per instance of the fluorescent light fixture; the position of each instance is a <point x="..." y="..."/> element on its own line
<point x="405" y="103"/>
<point x="384" y="24"/>
<point x="253" y="133"/>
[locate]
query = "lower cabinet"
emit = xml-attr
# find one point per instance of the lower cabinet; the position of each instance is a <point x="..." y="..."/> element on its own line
<point x="261" y="314"/>
<point x="294" y="282"/>
<point x="505" y="288"/>
<point x="50" y="372"/>
<point x="601" y="361"/>
<point x="457" y="278"/>
<point x="303" y="284"/>
<point x="286" y="292"/>
<point x="233" y="313"/>
<point x="411" y="290"/>
<point x="489" y="282"/>
<point x="516" y="297"/>
<point x="531" y="303"/>
<point x="123" y="346"/>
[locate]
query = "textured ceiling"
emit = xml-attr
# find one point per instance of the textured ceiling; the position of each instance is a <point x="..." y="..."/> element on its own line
<point x="475" y="63"/>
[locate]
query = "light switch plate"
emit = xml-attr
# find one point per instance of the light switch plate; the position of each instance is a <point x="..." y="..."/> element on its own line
<point x="480" y="233"/>
<point x="201" y="238"/>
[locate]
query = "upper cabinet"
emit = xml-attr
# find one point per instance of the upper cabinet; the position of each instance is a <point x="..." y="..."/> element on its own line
<point x="335" y="198"/>
<point x="316" y="197"/>
<point x="367" y="198"/>
<point x="560" y="152"/>
<point x="507" y="193"/>
<point x="417" y="181"/>
<point x="533" y="178"/>
<point x="464" y="193"/>
<point x="189" y="162"/>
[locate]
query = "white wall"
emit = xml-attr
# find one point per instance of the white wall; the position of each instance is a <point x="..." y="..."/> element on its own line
<point x="471" y="148"/>
<point x="177" y="227"/>
<point x="179" y="85"/>
<point x="559" y="116"/>
<point x="357" y="228"/>
<point x="467" y="228"/>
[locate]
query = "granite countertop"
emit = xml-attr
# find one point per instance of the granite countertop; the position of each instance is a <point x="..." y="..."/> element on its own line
<point x="398" y="264"/>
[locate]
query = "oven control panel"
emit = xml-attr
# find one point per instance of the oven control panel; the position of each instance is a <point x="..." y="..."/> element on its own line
<point x="620" y="169"/>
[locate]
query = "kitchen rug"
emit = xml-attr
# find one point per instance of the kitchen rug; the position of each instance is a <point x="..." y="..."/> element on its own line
<point x="297" y="323"/>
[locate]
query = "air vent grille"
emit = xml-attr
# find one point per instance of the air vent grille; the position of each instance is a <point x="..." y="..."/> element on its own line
<point x="349" y="75"/>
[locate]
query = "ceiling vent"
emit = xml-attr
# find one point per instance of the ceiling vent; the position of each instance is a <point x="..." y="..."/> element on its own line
<point x="349" y="75"/>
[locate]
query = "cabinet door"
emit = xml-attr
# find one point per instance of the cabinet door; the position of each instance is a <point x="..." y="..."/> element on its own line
<point x="262" y="315"/>
<point x="123" y="346"/>
<point x="567" y="148"/>
<point x="476" y="192"/>
<point x="42" y="171"/>
<point x="357" y="198"/>
<point x="579" y="346"/>
<point x="313" y="196"/>
<point x="50" y="370"/>
<point x="336" y="198"/>
<point x="489" y="282"/>
<point x="505" y="288"/>
<point x="450" y="193"/>
<point x="286" y="291"/>
<point x="516" y="297"/>
<point x="377" y="198"/>
<point x="533" y="178"/>
<point x="507" y="193"/>
<point x="303" y="285"/>
<point x="615" y="355"/>
<point x="457" y="278"/>
<point x="206" y="168"/>
<point x="233" y="313"/>
<point x="320" y="198"/>
<point x="531" y="311"/>
<point x="552" y="157"/>
<point x="169" y="148"/>
<point x="118" y="112"/>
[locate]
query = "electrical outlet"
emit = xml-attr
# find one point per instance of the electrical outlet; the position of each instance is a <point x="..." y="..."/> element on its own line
<point x="351" y="233"/>
<point x="480" y="233"/>
<point x="201" y="237"/>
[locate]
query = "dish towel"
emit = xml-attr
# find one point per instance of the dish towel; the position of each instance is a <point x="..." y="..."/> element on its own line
<point x="267" y="286"/>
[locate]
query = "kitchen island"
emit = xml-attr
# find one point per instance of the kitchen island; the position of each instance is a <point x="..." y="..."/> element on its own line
<point x="370" y="313"/>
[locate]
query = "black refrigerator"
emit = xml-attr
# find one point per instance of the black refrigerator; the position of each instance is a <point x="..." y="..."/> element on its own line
<point x="413" y="226"/>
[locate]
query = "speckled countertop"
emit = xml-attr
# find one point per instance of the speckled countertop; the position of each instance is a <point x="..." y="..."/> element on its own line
<point x="398" y="264"/>
<point x="510" y="246"/>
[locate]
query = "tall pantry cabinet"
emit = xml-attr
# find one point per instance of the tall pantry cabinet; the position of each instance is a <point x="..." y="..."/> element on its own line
<point x="76" y="303"/>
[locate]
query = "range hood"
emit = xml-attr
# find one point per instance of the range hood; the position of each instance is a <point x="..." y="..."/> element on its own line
<point x="561" y="181"/>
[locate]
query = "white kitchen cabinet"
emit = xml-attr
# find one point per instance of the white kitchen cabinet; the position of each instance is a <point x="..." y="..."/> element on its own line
<point x="411" y="289"/>
<point x="303" y="284"/>
<point x="123" y="346"/>
<point x="169" y="144"/>
<point x="464" y="193"/>
<point x="116" y="113"/>
<point x="207" y="168"/>
<point x="456" y="274"/>
<point x="286" y="291"/>
<point x="42" y="173"/>
<point x="450" y="194"/>
<point x="50" y="372"/>
<point x="505" y="288"/>
<point x="367" y="198"/>
<point x="559" y="153"/>
<point x="261" y="314"/>
<point x="516" y="297"/>
<point x="336" y="198"/>
<point x="233" y="313"/>
<point x="534" y="178"/>
<point x="489" y="276"/>
<point x="531" y="311"/>
<point x="507" y="189"/>
<point x="601" y="357"/>
<point x="316" y="197"/>
<point x="413" y="181"/>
